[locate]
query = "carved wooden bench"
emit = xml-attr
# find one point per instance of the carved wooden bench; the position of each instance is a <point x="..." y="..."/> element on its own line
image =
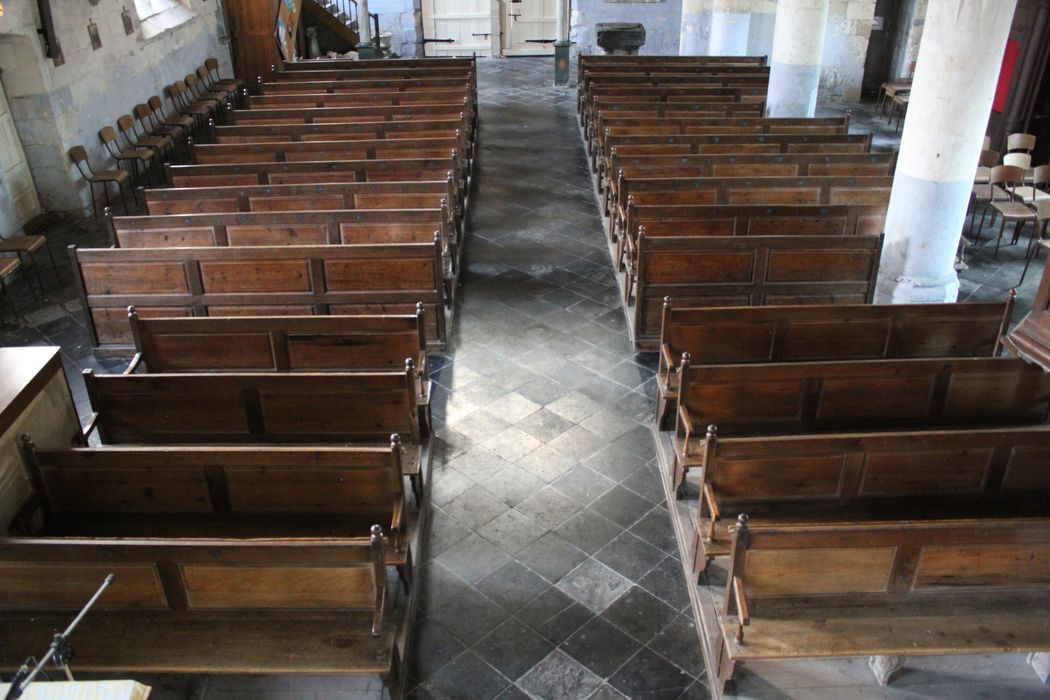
<point x="750" y="271"/>
<point x="350" y="113"/>
<point x="229" y="491"/>
<point x="762" y="334"/>
<point x="827" y="397"/>
<point x="256" y="281"/>
<point x="909" y="587"/>
<point x="857" y="477"/>
<point x="365" y="97"/>
<point x="224" y="606"/>
<point x="805" y="190"/>
<point x="282" y="344"/>
<point x="313" y="84"/>
<point x="751" y="81"/>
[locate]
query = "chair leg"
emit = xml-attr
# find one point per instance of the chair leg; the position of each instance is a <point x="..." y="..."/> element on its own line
<point x="6" y="293"/>
<point x="999" y="239"/>
<point x="94" y="205"/>
<point x="105" y="192"/>
<point x="36" y="271"/>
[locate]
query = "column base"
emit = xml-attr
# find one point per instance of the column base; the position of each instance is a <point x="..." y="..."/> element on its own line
<point x="366" y="51"/>
<point x="561" y="62"/>
<point x="895" y="289"/>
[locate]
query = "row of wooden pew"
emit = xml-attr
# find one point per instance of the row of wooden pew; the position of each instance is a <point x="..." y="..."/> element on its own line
<point x="853" y="479"/>
<point x="247" y="478"/>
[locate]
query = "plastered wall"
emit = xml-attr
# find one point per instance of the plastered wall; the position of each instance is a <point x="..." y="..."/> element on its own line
<point x="402" y="18"/>
<point x="56" y="107"/>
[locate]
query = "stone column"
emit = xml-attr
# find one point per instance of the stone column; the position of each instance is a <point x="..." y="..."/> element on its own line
<point x="561" y="43"/>
<point x="689" y="40"/>
<point x="798" y="43"/>
<point x="951" y="98"/>
<point x="364" y="30"/>
<point x="730" y="22"/>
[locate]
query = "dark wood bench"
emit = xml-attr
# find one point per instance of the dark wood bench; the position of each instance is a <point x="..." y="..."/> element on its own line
<point x="762" y="334"/>
<point x="806" y="190"/>
<point x="750" y="271"/>
<point x="432" y="194"/>
<point x="256" y="281"/>
<point x="601" y="97"/>
<point x="320" y="72"/>
<point x="858" y="477"/>
<point x="658" y="221"/>
<point x="910" y="587"/>
<point x="224" y="606"/>
<point x="230" y="491"/>
<point x="309" y="83"/>
<point x="681" y="110"/>
<point x="622" y="84"/>
<point x="349" y="113"/>
<point x="367" y="65"/>
<point x="282" y="344"/>
<point x="366" y="97"/>
<point x="292" y="131"/>
<point x="745" y="165"/>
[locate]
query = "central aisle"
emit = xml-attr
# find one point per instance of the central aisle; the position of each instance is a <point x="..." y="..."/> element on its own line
<point x="550" y="558"/>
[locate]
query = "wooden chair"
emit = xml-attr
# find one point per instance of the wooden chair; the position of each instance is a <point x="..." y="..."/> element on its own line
<point x="200" y="93"/>
<point x="215" y="78"/>
<point x="30" y="245"/>
<point x="990" y="192"/>
<point x="1039" y="189"/>
<point x="160" y="144"/>
<point x="988" y="160"/>
<point x="187" y="107"/>
<point x="1020" y="142"/>
<point x="161" y="120"/>
<point x="1010" y="210"/>
<point x="143" y="157"/>
<point x="228" y="92"/>
<point x="78" y="154"/>
<point x="1018" y="160"/>
<point x="8" y="267"/>
<point x="987" y="143"/>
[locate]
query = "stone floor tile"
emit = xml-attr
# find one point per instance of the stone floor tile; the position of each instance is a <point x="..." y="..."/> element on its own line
<point x="559" y="677"/>
<point x="547" y="463"/>
<point x="583" y="484"/>
<point x="467" y="678"/>
<point x="594" y="585"/>
<point x="434" y="648"/>
<point x="665" y="582"/>
<point x="475" y="507"/>
<point x="512" y="444"/>
<point x="472" y="559"/>
<point x="544" y="425"/>
<point x="548" y="507"/>
<point x="677" y="642"/>
<point x="588" y="530"/>
<point x="512" y="586"/>
<point x="574" y="407"/>
<point x="629" y="556"/>
<point x="601" y="647"/>
<point x="578" y="442"/>
<point x="622" y="506"/>
<point x="513" y="485"/>
<point x="640" y="614"/>
<point x="512" y="649"/>
<point x="551" y="557"/>
<point x="649" y="675"/>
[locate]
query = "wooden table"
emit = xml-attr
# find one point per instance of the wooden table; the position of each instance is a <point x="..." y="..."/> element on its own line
<point x="889" y="90"/>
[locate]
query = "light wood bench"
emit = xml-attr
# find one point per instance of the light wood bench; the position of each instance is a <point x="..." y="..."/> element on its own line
<point x="256" y="281"/>
<point x="909" y="587"/>
<point x="750" y="271"/>
<point x="859" y="477"/>
<point x="222" y="606"/>
<point x="762" y="334"/>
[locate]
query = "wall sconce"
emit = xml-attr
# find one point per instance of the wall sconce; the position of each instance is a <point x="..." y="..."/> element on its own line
<point x="96" y="40"/>
<point x="129" y="27"/>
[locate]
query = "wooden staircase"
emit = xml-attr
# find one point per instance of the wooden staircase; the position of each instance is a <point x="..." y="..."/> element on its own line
<point x="335" y="16"/>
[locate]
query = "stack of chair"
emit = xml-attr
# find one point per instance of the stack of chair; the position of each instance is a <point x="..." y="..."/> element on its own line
<point x="248" y="475"/>
<point x="851" y="479"/>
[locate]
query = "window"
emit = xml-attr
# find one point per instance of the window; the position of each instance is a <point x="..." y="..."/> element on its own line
<point x="158" y="16"/>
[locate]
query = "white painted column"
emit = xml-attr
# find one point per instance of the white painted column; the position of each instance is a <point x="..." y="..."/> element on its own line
<point x="798" y="43"/>
<point x="730" y="25"/>
<point x="689" y="39"/>
<point x="951" y="98"/>
<point x="364" y="23"/>
<point x="561" y="32"/>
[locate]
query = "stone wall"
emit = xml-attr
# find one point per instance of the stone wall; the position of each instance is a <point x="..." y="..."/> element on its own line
<point x="403" y="19"/>
<point x="908" y="36"/>
<point x="662" y="20"/>
<point x="56" y="107"/>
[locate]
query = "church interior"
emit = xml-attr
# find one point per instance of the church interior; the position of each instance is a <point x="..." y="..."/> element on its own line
<point x="552" y="349"/>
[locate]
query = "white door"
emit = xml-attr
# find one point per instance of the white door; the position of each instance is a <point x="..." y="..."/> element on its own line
<point x="525" y="22"/>
<point x="15" y="171"/>
<point x="467" y="22"/>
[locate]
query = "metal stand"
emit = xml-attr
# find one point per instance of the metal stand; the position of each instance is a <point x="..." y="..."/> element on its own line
<point x="61" y="652"/>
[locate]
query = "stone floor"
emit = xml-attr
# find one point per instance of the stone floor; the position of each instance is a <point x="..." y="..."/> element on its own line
<point x="550" y="570"/>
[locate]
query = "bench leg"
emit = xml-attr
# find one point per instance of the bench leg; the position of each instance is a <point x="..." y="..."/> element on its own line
<point x="725" y="667"/>
<point x="884" y="667"/>
<point x="700" y="560"/>
<point x="1040" y="662"/>
<point x="198" y="688"/>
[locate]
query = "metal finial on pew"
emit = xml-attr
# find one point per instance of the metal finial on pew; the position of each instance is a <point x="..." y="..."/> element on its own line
<point x="686" y="360"/>
<point x="395" y="442"/>
<point x="712" y="433"/>
<point x="211" y="129"/>
<point x="667" y="302"/>
<point x="132" y="313"/>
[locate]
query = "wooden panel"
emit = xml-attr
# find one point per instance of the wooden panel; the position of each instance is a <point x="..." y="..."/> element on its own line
<point x="60" y="586"/>
<point x="829" y="266"/>
<point x="191" y="351"/>
<point x="267" y="489"/>
<point x="725" y="342"/>
<point x="711" y="267"/>
<point x="257" y="275"/>
<point x="1027" y="469"/>
<point x="366" y="275"/>
<point x="926" y="471"/>
<point x="166" y="238"/>
<point x="301" y="234"/>
<point x="818" y="571"/>
<point x="147" y="278"/>
<point x="1003" y="566"/>
<point x="860" y="398"/>
<point x="773" y="401"/>
<point x="102" y="489"/>
<point x="277" y="587"/>
<point x="818" y="476"/>
<point x="827" y="340"/>
<point x="296" y="203"/>
<point x="317" y="350"/>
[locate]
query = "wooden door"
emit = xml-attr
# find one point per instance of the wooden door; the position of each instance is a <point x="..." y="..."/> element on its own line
<point x="15" y="171"/>
<point x="878" y="60"/>
<point x="525" y="24"/>
<point x="250" y="25"/>
<point x="468" y="23"/>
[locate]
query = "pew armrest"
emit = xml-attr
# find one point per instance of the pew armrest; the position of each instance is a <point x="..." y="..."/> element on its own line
<point x="685" y="428"/>
<point x="89" y="427"/>
<point x="135" y="363"/>
<point x="668" y="363"/>
<point x="740" y="598"/>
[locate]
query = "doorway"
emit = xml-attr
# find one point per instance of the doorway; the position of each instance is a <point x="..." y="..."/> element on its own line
<point x="529" y="27"/>
<point x="20" y="190"/>
<point x="878" y="62"/>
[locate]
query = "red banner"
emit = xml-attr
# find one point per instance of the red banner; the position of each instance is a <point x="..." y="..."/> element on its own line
<point x="1006" y="74"/>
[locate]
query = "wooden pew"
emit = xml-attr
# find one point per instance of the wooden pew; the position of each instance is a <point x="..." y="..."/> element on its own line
<point x="679" y="221"/>
<point x="309" y="84"/>
<point x="242" y="491"/>
<point x="311" y="64"/>
<point x="623" y="84"/>
<point x="319" y="72"/>
<point x="762" y="334"/>
<point x="683" y="110"/>
<point x="602" y="95"/>
<point x="282" y="344"/>
<point x="363" y="113"/>
<point x="433" y="194"/>
<point x="682" y="191"/>
<point x="256" y="281"/>
<point x="586" y="63"/>
<point x="745" y="165"/>
<point x="366" y="97"/>
<point x="750" y="271"/>
<point x="290" y="228"/>
<point x="857" y="477"/>
<point x="911" y="587"/>
<point x="444" y="127"/>
<point x="263" y="606"/>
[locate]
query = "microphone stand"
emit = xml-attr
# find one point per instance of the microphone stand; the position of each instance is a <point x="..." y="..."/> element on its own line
<point x="60" y="650"/>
